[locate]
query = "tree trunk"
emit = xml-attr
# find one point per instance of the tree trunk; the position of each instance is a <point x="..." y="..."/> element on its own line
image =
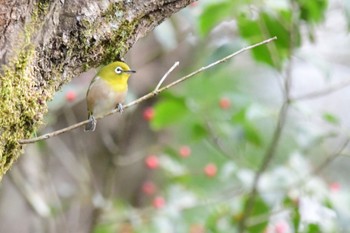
<point x="44" y="43"/>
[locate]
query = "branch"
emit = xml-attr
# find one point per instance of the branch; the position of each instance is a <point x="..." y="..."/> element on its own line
<point x="324" y="92"/>
<point x="270" y="151"/>
<point x="267" y="158"/>
<point x="30" y="194"/>
<point x="166" y="75"/>
<point x="329" y="159"/>
<point x="149" y="95"/>
<point x="53" y="41"/>
<point x="215" y="142"/>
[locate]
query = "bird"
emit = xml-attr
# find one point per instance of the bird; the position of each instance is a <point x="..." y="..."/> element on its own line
<point x="107" y="91"/>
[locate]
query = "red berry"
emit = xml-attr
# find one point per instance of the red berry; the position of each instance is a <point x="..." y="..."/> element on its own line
<point x="185" y="151"/>
<point x="334" y="187"/>
<point x="71" y="96"/>
<point x="281" y="227"/>
<point x="210" y="170"/>
<point x="224" y="103"/>
<point x="196" y="228"/>
<point x="148" y="187"/>
<point x="148" y="114"/>
<point x="158" y="202"/>
<point x="194" y="4"/>
<point x="152" y="162"/>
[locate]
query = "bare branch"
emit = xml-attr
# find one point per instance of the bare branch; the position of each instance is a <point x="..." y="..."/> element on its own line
<point x="328" y="160"/>
<point x="165" y="76"/>
<point x="30" y="195"/>
<point x="324" y="92"/>
<point x="270" y="150"/>
<point x="149" y="95"/>
<point x="331" y="158"/>
<point x="267" y="158"/>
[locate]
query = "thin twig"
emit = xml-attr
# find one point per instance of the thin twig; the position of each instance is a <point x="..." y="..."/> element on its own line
<point x="252" y="221"/>
<point x="219" y="198"/>
<point x="331" y="158"/>
<point x="165" y="76"/>
<point x="31" y="196"/>
<point x="328" y="160"/>
<point x="262" y="218"/>
<point x="215" y="142"/>
<point x="324" y="92"/>
<point x="267" y="158"/>
<point x="270" y="151"/>
<point x="147" y="96"/>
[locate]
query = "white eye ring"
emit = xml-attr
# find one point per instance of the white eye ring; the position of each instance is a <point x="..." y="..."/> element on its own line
<point x="118" y="70"/>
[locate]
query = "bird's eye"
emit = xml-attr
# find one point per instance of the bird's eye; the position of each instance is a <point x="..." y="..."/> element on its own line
<point x="118" y="70"/>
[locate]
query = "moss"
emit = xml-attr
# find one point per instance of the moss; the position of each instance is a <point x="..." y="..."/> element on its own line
<point x="91" y="42"/>
<point x="114" y="11"/>
<point x="41" y="8"/>
<point x="117" y="46"/>
<point x="24" y="97"/>
<point x="113" y="45"/>
<point x="22" y="105"/>
<point x="20" y="109"/>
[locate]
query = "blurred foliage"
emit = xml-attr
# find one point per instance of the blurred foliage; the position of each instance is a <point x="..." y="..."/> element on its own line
<point x="312" y="11"/>
<point x="217" y="130"/>
<point x="230" y="130"/>
<point x="266" y="25"/>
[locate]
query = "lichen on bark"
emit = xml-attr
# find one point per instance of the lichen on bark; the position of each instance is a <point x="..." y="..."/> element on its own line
<point x="60" y="40"/>
<point x="22" y="105"/>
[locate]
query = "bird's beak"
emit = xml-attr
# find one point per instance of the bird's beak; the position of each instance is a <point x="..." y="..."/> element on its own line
<point x="130" y="71"/>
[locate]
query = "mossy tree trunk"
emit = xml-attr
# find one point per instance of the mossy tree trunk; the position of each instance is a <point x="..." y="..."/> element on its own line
<point x="44" y="43"/>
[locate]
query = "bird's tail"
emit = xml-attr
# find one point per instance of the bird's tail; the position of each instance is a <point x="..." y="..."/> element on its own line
<point x="91" y="125"/>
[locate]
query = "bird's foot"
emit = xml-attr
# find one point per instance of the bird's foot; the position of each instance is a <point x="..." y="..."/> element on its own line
<point x="91" y="125"/>
<point x="120" y="107"/>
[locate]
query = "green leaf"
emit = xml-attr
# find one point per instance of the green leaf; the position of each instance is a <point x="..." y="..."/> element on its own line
<point x="213" y="221"/>
<point x="296" y="218"/>
<point x="198" y="131"/>
<point x="328" y="203"/>
<point x="240" y="117"/>
<point x="168" y="111"/>
<point x="213" y="14"/>
<point x="295" y="215"/>
<point x="181" y="179"/>
<point x="313" y="228"/>
<point x="277" y="26"/>
<point x="252" y="134"/>
<point x="312" y="11"/>
<point x="249" y="131"/>
<point x="266" y="26"/>
<point x="260" y="208"/>
<point x="103" y="228"/>
<point x="330" y="118"/>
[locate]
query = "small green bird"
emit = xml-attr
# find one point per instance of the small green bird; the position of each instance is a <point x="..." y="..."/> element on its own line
<point x="107" y="91"/>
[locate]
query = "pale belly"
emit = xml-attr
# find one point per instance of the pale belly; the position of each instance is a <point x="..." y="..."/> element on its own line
<point x="109" y="103"/>
<point x="101" y="98"/>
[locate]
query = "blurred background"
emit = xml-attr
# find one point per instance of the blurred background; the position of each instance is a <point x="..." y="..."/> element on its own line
<point x="186" y="160"/>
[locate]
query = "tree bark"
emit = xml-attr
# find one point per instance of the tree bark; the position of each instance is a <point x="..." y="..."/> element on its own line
<point x="44" y="43"/>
